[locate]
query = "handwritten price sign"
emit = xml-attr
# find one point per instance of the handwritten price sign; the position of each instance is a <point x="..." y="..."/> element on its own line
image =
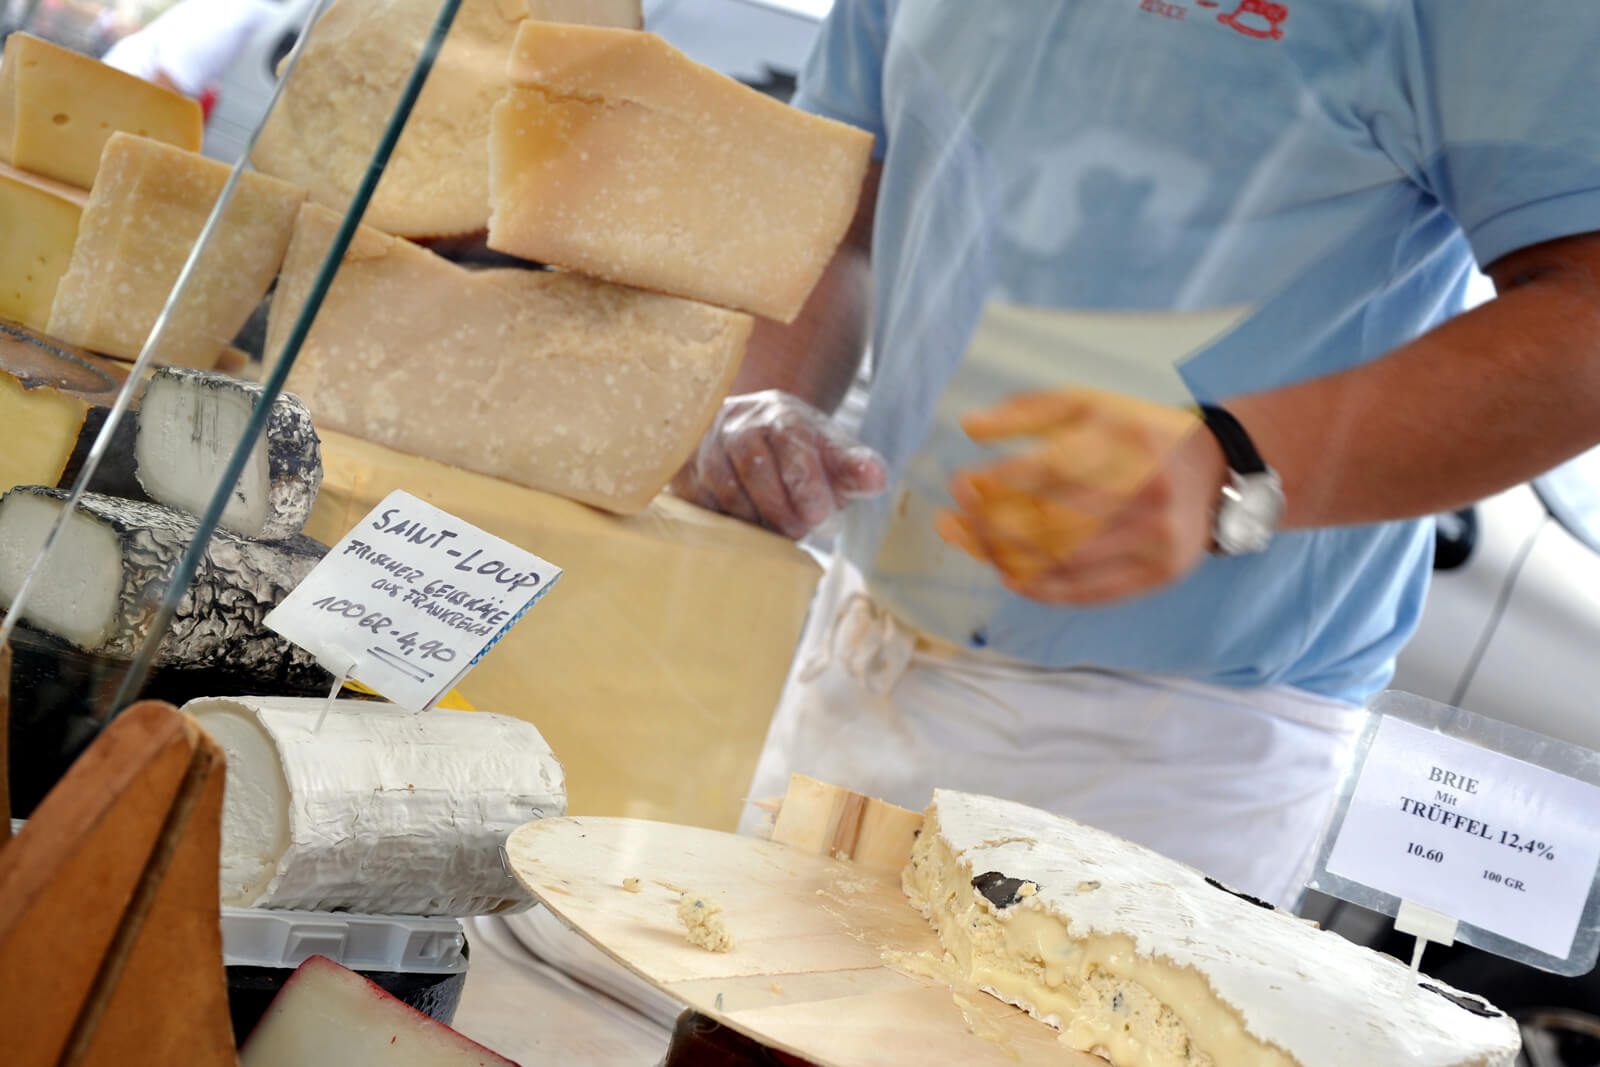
<point x="414" y="597"/>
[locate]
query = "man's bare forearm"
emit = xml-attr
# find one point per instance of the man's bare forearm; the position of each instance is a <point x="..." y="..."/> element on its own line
<point x="1487" y="400"/>
<point x="816" y="356"/>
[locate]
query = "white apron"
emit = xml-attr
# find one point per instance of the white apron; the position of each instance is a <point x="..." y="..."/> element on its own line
<point x="1238" y="783"/>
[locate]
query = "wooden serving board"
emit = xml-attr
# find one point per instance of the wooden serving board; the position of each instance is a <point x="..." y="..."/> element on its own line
<point x="810" y="973"/>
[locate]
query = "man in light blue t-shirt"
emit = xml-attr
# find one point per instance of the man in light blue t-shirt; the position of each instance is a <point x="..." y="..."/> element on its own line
<point x="1286" y="200"/>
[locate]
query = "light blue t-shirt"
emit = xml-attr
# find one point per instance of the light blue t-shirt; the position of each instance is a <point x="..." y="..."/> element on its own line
<point x="1334" y="167"/>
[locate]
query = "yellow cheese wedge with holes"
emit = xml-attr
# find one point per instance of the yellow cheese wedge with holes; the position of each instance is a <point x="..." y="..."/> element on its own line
<point x="39" y="219"/>
<point x="58" y="108"/>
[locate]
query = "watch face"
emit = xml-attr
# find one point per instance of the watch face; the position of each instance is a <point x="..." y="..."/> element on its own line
<point x="1252" y="507"/>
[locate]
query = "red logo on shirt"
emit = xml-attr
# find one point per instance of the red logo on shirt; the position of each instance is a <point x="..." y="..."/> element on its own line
<point x="1250" y="15"/>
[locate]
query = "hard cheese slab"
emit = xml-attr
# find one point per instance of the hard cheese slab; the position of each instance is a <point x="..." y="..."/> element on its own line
<point x="814" y="938"/>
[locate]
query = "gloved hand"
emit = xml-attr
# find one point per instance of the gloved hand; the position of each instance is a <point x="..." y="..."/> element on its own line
<point x="1115" y="499"/>
<point x="774" y="460"/>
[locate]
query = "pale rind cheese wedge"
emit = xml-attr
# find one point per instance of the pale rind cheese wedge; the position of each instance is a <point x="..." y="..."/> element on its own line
<point x="149" y="203"/>
<point x="1152" y="964"/>
<point x="616" y="155"/>
<point x="551" y="380"/>
<point x="380" y="811"/>
<point x="190" y="423"/>
<point x="58" y="108"/>
<point x="46" y="393"/>
<point x="326" y="1015"/>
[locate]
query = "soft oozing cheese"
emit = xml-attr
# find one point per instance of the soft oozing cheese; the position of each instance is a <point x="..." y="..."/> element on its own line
<point x="547" y="379"/>
<point x="1144" y="960"/>
<point x="40" y="223"/>
<point x="616" y="155"/>
<point x="58" y="108"/>
<point x="148" y="205"/>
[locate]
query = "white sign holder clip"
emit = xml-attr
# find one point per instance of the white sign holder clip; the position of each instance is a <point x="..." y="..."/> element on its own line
<point x="1424" y="924"/>
<point x="341" y="665"/>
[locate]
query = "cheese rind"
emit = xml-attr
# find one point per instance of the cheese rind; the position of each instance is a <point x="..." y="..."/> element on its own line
<point x="40" y="224"/>
<point x="111" y="566"/>
<point x="58" y="108"/>
<point x="380" y="811"/>
<point x="190" y="423"/>
<point x="326" y="125"/>
<point x="46" y="393"/>
<point x="1137" y="955"/>
<point x="146" y="210"/>
<point x="617" y="156"/>
<point x="328" y="1016"/>
<point x="547" y="379"/>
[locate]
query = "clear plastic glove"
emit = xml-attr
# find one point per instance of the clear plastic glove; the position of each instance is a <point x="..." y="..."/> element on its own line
<point x="774" y="460"/>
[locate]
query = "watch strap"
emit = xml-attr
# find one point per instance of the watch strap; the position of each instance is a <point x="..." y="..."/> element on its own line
<point x="1237" y="448"/>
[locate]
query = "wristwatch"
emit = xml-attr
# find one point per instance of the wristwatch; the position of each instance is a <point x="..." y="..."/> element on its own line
<point x="1251" y="505"/>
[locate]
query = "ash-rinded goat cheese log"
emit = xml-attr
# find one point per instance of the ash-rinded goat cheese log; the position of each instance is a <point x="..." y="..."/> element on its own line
<point x="1151" y="964"/>
<point x="189" y="423"/>
<point x="110" y="567"/>
<point x="380" y="811"/>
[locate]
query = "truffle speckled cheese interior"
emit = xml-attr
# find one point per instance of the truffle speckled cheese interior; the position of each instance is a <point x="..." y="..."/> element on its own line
<point x="617" y="156"/>
<point x="1150" y="963"/>
<point x="547" y="379"/>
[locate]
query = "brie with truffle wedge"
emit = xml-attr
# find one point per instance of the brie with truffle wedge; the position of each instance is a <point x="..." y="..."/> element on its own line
<point x="1150" y="964"/>
<point x="191" y="421"/>
<point x="379" y="811"/>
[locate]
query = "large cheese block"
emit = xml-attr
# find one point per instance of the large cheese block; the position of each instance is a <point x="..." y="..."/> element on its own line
<point x="625" y="14"/>
<point x="40" y="221"/>
<point x="46" y="393"/>
<point x="112" y="564"/>
<point x="58" y="108"/>
<point x="190" y="424"/>
<point x="615" y="155"/>
<point x="655" y="672"/>
<point x="547" y="379"/>
<point x="327" y="1015"/>
<point x="379" y="811"/>
<point x="148" y="206"/>
<point x="1151" y="964"/>
<point x="326" y="125"/>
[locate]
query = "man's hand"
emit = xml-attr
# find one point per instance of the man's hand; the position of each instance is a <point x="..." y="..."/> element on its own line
<point x="1116" y="499"/>
<point x="774" y="460"/>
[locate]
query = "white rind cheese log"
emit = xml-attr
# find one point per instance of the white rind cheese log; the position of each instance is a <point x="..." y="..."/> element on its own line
<point x="1146" y="960"/>
<point x="148" y="205"/>
<point x="326" y="126"/>
<point x="381" y="812"/>
<point x="617" y="156"/>
<point x="189" y="424"/>
<point x="112" y="564"/>
<point x="58" y="108"/>
<point x="327" y="1015"/>
<point x="550" y="380"/>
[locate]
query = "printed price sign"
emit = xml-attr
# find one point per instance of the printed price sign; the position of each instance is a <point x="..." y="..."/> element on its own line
<point x="414" y="597"/>
<point x="1486" y="838"/>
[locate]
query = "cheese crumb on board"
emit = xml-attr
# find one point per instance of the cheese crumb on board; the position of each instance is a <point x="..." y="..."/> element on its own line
<point x="617" y="156"/>
<point x="58" y="108"/>
<point x="40" y="221"/>
<point x="702" y="918"/>
<point x="1145" y="961"/>
<point x="632" y="885"/>
<point x="148" y="205"/>
<point x="550" y="380"/>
